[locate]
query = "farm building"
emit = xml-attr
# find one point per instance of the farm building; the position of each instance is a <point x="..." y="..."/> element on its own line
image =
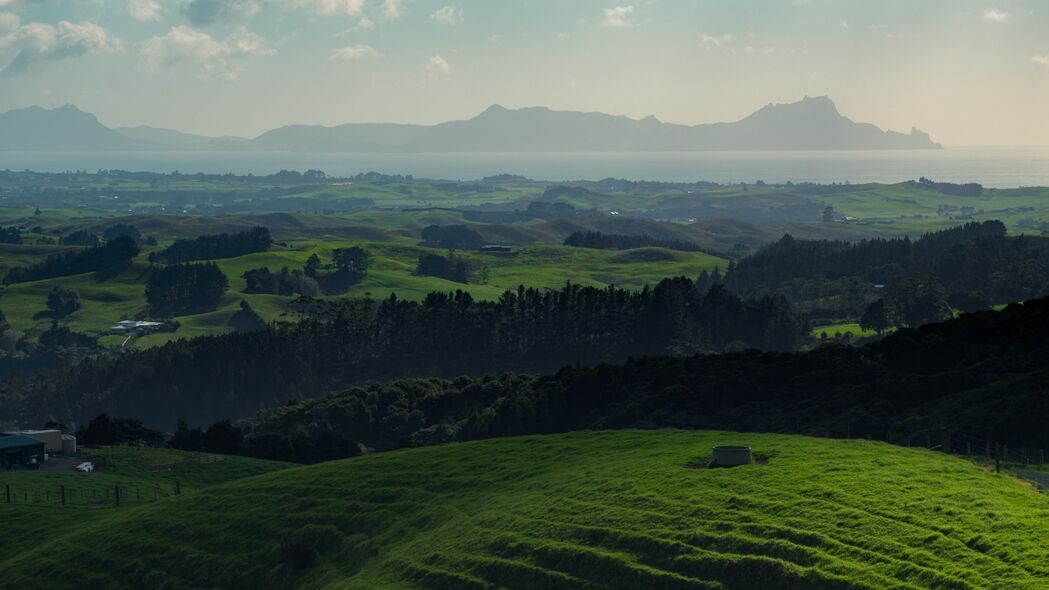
<point x="19" y="449"/>
<point x="52" y="439"/>
<point x="135" y="327"/>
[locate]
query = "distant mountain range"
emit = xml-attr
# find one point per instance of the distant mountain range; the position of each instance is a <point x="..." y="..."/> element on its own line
<point x="810" y="124"/>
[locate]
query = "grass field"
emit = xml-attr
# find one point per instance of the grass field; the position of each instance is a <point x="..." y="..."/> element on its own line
<point x="852" y="329"/>
<point x="627" y="509"/>
<point x="392" y="271"/>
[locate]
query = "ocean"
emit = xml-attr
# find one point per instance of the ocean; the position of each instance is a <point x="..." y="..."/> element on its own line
<point x="999" y="167"/>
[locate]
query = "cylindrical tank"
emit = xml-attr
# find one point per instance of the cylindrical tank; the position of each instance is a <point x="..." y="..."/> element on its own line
<point x="730" y="456"/>
<point x="68" y="445"/>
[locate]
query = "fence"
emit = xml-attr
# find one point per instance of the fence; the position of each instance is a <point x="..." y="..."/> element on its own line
<point x="980" y="449"/>
<point x="87" y="496"/>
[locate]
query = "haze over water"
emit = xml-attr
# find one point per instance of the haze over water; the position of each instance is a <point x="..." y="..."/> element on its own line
<point x="998" y="167"/>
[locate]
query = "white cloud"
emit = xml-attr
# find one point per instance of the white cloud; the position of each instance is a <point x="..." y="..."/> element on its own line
<point x="365" y="23"/>
<point x="715" y="41"/>
<point x="765" y="49"/>
<point x="437" y="66"/>
<point x="39" y="42"/>
<point x="184" y="44"/>
<point x="330" y="7"/>
<point x="392" y="8"/>
<point x="447" y="15"/>
<point x="355" y="53"/>
<point x="1041" y="60"/>
<point x="845" y="24"/>
<point x="143" y="10"/>
<point x="563" y="36"/>
<point x="996" y="16"/>
<point x="8" y="21"/>
<point x="617" y="17"/>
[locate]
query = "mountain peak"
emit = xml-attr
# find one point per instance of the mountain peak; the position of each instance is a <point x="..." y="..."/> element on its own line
<point x="494" y="109"/>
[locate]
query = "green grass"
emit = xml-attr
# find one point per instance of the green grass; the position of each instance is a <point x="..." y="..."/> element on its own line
<point x="582" y="510"/>
<point x="103" y="303"/>
<point x="137" y="469"/>
<point x="853" y="329"/>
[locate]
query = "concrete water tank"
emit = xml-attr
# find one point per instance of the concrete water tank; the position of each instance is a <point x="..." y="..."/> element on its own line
<point x="730" y="456"/>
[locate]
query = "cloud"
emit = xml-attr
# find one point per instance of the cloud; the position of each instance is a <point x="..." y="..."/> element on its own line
<point x="143" y="10"/>
<point x="206" y="12"/>
<point x="365" y="24"/>
<point x="447" y="15"/>
<point x="40" y="42"/>
<point x="184" y="44"/>
<point x="766" y="49"/>
<point x="8" y="21"/>
<point x="392" y="8"/>
<point x="996" y="16"/>
<point x="437" y="66"/>
<point x="617" y="17"/>
<point x="355" y="53"/>
<point x="330" y="7"/>
<point x="715" y="41"/>
<point x="845" y="24"/>
<point x="1041" y="60"/>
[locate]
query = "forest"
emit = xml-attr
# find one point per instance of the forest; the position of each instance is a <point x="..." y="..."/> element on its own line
<point x="603" y="241"/>
<point x="968" y="267"/>
<point x="113" y="257"/>
<point x="975" y="380"/>
<point x="213" y="247"/>
<point x="352" y="341"/>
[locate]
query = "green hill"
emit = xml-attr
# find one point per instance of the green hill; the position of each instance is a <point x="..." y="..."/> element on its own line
<point x="627" y="509"/>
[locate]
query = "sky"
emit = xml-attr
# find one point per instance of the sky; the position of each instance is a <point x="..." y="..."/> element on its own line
<point x="969" y="72"/>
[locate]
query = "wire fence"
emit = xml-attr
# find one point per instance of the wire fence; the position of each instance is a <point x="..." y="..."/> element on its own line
<point x="87" y="496"/>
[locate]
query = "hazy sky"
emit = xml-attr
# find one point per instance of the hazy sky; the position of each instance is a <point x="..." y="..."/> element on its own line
<point x="968" y="72"/>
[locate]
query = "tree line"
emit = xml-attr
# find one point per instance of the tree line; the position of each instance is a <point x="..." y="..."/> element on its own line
<point x="111" y="258"/>
<point x="214" y="247"/>
<point x="603" y="241"/>
<point x="967" y="268"/>
<point x="338" y="343"/>
<point x="980" y="377"/>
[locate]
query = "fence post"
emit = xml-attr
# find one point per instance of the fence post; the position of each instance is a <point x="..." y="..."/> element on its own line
<point x="968" y="449"/>
<point x="178" y="488"/>
<point x="62" y="494"/>
<point x="997" y="458"/>
<point x="1023" y="453"/>
<point x="116" y="493"/>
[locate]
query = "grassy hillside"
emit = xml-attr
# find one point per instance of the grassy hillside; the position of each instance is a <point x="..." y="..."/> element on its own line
<point x="143" y="474"/>
<point x="628" y="509"/>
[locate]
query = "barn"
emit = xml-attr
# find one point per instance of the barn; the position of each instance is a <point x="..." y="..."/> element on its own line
<point x="18" y="449"/>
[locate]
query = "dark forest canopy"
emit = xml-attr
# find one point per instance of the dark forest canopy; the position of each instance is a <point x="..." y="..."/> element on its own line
<point x="185" y="288"/>
<point x="355" y="341"/>
<point x="976" y="265"/>
<point x="602" y="241"/>
<point x="113" y="257"/>
<point x="457" y="237"/>
<point x="976" y="380"/>
<point x="214" y="247"/>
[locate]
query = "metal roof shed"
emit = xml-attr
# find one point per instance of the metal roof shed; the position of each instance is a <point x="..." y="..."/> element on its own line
<point x="17" y="449"/>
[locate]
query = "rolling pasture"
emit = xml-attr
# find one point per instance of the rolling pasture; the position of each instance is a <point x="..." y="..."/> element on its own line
<point x="626" y="509"/>
<point x="105" y="302"/>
